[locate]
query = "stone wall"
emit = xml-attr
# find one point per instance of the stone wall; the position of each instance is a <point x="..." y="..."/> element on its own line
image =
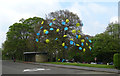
<point x="41" y="58"/>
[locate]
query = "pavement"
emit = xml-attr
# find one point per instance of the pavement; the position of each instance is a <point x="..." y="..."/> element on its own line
<point x="9" y="67"/>
<point x="81" y="68"/>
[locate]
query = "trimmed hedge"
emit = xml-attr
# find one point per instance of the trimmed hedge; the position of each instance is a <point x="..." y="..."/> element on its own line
<point x="116" y="60"/>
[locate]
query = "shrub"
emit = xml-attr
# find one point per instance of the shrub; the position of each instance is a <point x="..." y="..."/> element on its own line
<point x="116" y="60"/>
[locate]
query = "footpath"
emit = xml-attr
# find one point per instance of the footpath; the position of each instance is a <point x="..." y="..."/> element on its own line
<point x="79" y="67"/>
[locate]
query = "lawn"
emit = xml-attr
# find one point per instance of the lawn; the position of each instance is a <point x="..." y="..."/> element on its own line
<point x="84" y="65"/>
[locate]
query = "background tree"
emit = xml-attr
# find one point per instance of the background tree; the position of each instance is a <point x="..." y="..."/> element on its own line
<point x="106" y="44"/>
<point x="114" y="31"/>
<point x="21" y="37"/>
<point x="16" y="40"/>
<point x="34" y="23"/>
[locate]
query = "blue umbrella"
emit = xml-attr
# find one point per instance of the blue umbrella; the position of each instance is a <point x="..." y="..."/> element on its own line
<point x="90" y="41"/>
<point x="80" y="48"/>
<point x="82" y="44"/>
<point x="63" y="23"/>
<point x="63" y="60"/>
<point x="56" y="39"/>
<point x="82" y="24"/>
<point x="38" y="34"/>
<point x="50" y="24"/>
<point x="77" y="36"/>
<point x="86" y="37"/>
<point x="66" y="28"/>
<point x="46" y="32"/>
<point x="71" y="42"/>
<point x="36" y="40"/>
<point x="90" y="49"/>
<point x="41" y="27"/>
<point x="65" y="47"/>
<point x="51" y="29"/>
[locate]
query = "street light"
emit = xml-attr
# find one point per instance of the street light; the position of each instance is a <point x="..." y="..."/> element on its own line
<point x="118" y="24"/>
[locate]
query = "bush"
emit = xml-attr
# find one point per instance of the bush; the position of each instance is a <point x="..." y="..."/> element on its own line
<point x="116" y="60"/>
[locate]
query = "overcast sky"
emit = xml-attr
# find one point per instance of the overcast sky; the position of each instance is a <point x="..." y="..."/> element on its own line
<point x="95" y="14"/>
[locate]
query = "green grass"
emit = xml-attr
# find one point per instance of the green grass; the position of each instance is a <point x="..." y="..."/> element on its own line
<point x="84" y="65"/>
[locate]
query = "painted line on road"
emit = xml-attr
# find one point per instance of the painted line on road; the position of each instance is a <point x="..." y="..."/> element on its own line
<point x="35" y="69"/>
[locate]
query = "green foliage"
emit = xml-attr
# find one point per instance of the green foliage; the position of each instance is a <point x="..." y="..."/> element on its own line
<point x="104" y="47"/>
<point x="60" y="16"/>
<point x="84" y="65"/>
<point x="113" y="30"/>
<point x="106" y="44"/>
<point x="20" y="37"/>
<point x="116" y="60"/>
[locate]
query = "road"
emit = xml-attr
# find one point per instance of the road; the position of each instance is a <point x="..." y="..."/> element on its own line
<point x="9" y="67"/>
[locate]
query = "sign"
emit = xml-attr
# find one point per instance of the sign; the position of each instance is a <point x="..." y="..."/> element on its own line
<point x="95" y="58"/>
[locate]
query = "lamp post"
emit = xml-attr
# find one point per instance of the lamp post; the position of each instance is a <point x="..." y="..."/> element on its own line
<point x="118" y="24"/>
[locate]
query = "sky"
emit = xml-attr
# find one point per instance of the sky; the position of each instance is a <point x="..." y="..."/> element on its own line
<point x="95" y="14"/>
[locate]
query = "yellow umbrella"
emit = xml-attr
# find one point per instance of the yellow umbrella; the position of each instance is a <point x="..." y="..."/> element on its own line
<point x="87" y="44"/>
<point x="82" y="40"/>
<point x="78" y="24"/>
<point x="73" y="31"/>
<point x="42" y="22"/>
<point x="79" y="31"/>
<point x="65" y="36"/>
<point x="67" y="20"/>
<point x="57" y="30"/>
<point x="47" y="40"/>
<point x="71" y="39"/>
<point x="79" y="36"/>
<point x="84" y="50"/>
<point x="77" y="45"/>
<point x="44" y="30"/>
<point x="89" y="47"/>
<point x="63" y="44"/>
<point x="54" y="19"/>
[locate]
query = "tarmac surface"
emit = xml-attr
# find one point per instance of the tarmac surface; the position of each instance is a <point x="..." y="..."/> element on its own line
<point x="9" y="67"/>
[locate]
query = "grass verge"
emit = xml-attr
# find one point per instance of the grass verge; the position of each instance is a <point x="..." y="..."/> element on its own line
<point x="84" y="65"/>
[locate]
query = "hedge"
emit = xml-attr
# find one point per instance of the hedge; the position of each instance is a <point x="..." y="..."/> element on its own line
<point x="116" y="60"/>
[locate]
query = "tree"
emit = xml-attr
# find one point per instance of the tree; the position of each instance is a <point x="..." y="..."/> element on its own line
<point x="104" y="47"/>
<point x="35" y="24"/>
<point x="17" y="36"/>
<point x="107" y="43"/>
<point x="114" y="31"/>
<point x="21" y="36"/>
<point x="31" y="35"/>
<point x="64" y="19"/>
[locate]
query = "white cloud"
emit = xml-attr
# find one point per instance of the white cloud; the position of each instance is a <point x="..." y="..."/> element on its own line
<point x="96" y="28"/>
<point x="90" y="13"/>
<point x="88" y="0"/>
<point x="13" y="10"/>
<point x="2" y="37"/>
<point x="76" y="8"/>
<point x="114" y="19"/>
<point x="96" y="8"/>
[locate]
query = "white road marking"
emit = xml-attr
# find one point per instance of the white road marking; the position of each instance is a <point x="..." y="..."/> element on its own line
<point x="34" y="69"/>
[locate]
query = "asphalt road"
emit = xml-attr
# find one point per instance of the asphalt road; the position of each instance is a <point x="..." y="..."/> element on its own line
<point x="9" y="67"/>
